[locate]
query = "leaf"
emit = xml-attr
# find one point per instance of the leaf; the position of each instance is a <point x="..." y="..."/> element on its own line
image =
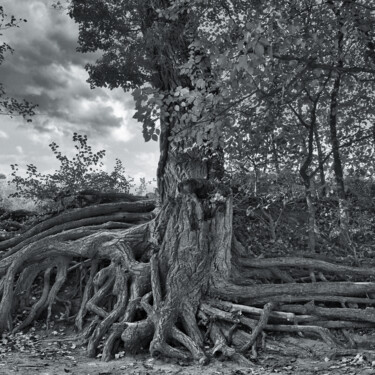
<point x="200" y="83"/>
<point x="259" y="50"/>
<point x="242" y="62"/>
<point x="136" y="93"/>
<point x="154" y="137"/>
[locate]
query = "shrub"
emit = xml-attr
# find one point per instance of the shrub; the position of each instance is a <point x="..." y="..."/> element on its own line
<point x="84" y="171"/>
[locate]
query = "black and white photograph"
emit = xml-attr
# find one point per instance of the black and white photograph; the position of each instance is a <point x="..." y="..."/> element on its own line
<point x="187" y="187"/>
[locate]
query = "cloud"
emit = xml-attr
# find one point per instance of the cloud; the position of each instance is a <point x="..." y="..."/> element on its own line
<point x="3" y="134"/>
<point x="122" y="134"/>
<point x="19" y="149"/>
<point x="46" y="69"/>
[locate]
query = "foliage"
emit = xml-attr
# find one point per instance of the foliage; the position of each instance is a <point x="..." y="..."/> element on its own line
<point x="8" y="105"/>
<point x="285" y="207"/>
<point x="248" y="70"/>
<point x="271" y="86"/>
<point x="142" y="188"/>
<point x="11" y="204"/>
<point x="83" y="171"/>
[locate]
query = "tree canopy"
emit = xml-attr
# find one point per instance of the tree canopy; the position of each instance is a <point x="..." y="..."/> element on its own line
<point x="236" y="65"/>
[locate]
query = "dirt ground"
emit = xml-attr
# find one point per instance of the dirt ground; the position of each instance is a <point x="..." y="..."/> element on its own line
<point x="22" y="363"/>
<point x="31" y="354"/>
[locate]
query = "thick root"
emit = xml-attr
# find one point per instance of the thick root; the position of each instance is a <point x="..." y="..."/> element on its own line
<point x="145" y="287"/>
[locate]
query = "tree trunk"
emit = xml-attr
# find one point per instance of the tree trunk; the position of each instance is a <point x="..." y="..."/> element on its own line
<point x="323" y="184"/>
<point x="343" y="212"/>
<point x="311" y="222"/>
<point x="194" y="253"/>
<point x="306" y="178"/>
<point x="275" y="155"/>
<point x="337" y="166"/>
<point x="343" y="209"/>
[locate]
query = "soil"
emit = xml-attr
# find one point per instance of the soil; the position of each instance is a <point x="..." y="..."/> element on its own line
<point x="49" y="352"/>
<point x="78" y="364"/>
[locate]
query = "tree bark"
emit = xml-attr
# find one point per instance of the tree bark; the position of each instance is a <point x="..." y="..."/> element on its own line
<point x="308" y="194"/>
<point x="323" y="186"/>
<point x="337" y="165"/>
<point x="343" y="212"/>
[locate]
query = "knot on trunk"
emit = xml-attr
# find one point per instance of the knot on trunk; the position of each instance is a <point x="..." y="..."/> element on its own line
<point x="202" y="188"/>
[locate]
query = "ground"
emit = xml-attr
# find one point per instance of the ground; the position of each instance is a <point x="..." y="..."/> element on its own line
<point x="48" y="352"/>
<point x="77" y="363"/>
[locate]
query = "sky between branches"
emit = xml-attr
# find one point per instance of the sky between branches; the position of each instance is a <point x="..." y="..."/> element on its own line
<point x="46" y="70"/>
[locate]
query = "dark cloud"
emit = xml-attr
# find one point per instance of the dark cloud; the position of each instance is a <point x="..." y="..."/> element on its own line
<point x="46" y="69"/>
<point x="47" y="37"/>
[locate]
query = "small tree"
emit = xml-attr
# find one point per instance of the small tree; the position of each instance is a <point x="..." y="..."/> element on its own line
<point x="83" y="171"/>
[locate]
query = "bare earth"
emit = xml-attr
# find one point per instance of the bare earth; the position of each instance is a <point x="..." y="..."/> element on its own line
<point x="47" y="357"/>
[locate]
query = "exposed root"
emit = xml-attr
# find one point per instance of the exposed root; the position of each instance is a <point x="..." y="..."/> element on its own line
<point x="365" y="315"/>
<point x="309" y="264"/>
<point x="144" y="286"/>
<point x="221" y="349"/>
<point x="324" y="333"/>
<point x="86" y="295"/>
<point x="37" y="307"/>
<point x="287" y="298"/>
<point x="131" y="212"/>
<point x="121" y="291"/>
<point x="24" y="284"/>
<point x="289" y="317"/>
<point x="260" y="326"/>
<point x="163" y="317"/>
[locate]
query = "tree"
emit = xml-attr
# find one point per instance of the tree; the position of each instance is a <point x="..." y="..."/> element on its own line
<point x="11" y="106"/>
<point x="195" y="67"/>
<point x="305" y="52"/>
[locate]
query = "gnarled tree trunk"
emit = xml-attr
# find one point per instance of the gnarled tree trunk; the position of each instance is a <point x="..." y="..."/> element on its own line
<point x="193" y="237"/>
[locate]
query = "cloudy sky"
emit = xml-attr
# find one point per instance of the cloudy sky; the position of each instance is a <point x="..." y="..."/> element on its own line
<point x="46" y="70"/>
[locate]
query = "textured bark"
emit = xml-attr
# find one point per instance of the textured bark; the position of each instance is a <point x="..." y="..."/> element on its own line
<point x="227" y="290"/>
<point x="260" y="326"/>
<point x="337" y="165"/>
<point x="321" y="162"/>
<point x="194" y="253"/>
<point x="79" y="214"/>
<point x="313" y="264"/>
<point x="304" y="168"/>
<point x="145" y="287"/>
<point x="343" y="211"/>
<point x="120" y="217"/>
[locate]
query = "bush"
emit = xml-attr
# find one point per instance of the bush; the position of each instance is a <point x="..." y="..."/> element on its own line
<point x="10" y="204"/>
<point x="82" y="172"/>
